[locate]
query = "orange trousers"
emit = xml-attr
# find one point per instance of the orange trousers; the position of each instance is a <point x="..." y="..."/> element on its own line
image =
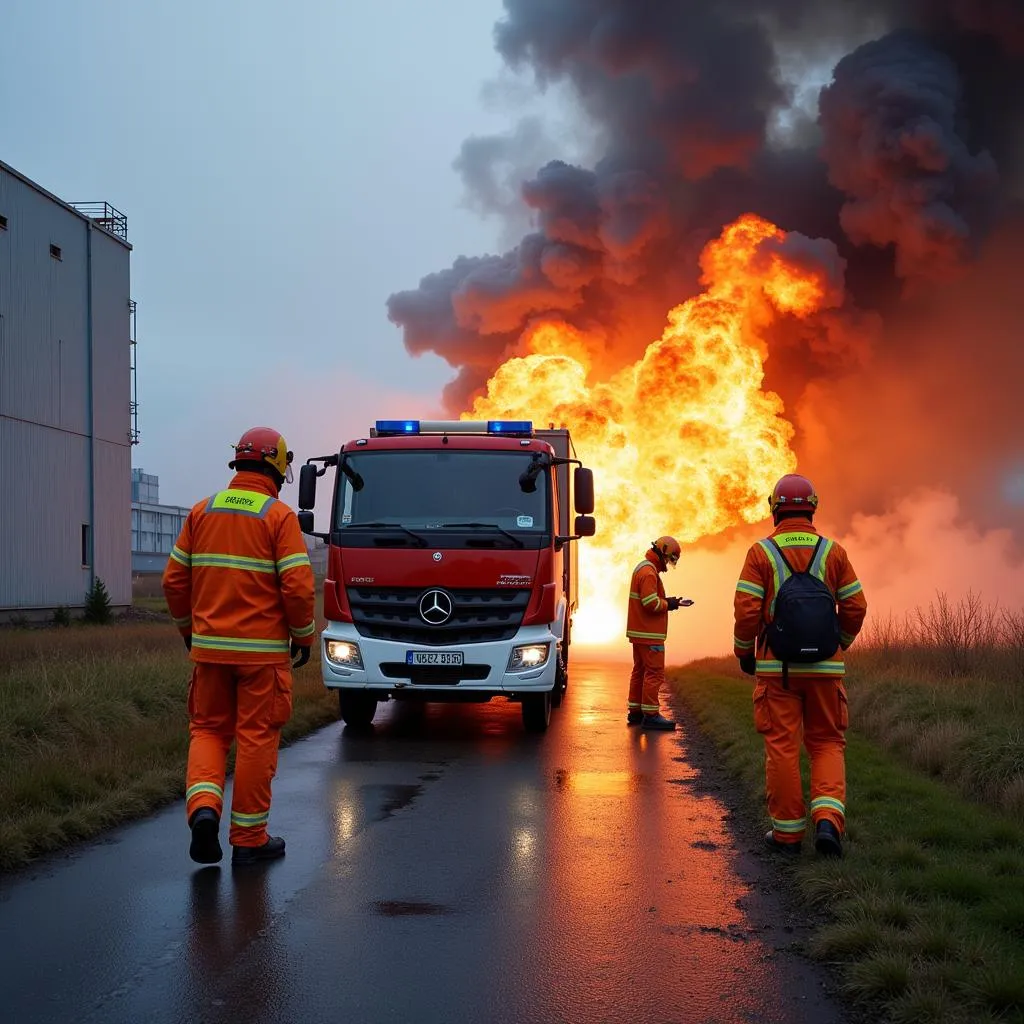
<point x="247" y="704"/>
<point x="646" y="679"/>
<point x="815" y="712"/>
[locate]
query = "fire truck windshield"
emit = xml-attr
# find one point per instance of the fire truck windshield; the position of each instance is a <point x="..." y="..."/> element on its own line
<point x="458" y="491"/>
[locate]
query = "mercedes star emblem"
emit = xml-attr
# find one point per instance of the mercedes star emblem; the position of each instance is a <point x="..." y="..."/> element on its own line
<point x="437" y="556"/>
<point x="435" y="607"/>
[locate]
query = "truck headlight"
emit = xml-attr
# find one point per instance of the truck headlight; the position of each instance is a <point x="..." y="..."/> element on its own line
<point x="528" y="656"/>
<point x="343" y="652"/>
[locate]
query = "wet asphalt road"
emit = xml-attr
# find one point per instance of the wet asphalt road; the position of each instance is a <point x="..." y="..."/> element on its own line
<point x="448" y="868"/>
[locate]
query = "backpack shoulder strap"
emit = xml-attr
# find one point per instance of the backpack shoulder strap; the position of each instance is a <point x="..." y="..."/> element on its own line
<point x="782" y="555"/>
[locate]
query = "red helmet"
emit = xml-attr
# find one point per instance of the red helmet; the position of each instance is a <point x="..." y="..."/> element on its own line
<point x="668" y="548"/>
<point x="263" y="444"/>
<point x="793" y="493"/>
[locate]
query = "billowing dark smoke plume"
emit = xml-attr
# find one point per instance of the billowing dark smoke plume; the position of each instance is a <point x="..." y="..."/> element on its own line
<point x="911" y="159"/>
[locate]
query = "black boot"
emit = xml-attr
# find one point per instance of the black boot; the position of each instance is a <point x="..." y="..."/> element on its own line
<point x="270" y="850"/>
<point x="657" y="721"/>
<point x="785" y="849"/>
<point x="827" y="840"/>
<point x="634" y="717"/>
<point x="205" y="846"/>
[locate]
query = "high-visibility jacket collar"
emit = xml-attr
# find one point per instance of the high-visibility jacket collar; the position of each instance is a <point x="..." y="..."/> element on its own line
<point x="795" y="524"/>
<point x="249" y="481"/>
<point x="652" y="557"/>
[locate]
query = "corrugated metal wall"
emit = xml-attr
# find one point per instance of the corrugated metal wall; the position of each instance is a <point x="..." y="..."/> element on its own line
<point x="44" y="505"/>
<point x="44" y="404"/>
<point x="111" y="379"/>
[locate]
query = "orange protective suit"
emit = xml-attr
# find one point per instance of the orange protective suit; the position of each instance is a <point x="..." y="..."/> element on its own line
<point x="812" y="703"/>
<point x="240" y="583"/>
<point x="647" y="630"/>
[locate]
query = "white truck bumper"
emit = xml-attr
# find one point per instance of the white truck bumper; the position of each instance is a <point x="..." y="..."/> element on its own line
<point x="485" y="671"/>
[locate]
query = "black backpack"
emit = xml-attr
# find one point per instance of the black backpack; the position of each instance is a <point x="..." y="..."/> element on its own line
<point x="806" y="626"/>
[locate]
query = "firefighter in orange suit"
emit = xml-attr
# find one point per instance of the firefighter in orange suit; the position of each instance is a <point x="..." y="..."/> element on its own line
<point x="239" y="587"/>
<point x="791" y="699"/>
<point x="647" y="630"/>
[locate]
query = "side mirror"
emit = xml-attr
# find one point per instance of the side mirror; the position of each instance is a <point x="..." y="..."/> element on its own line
<point x="307" y="486"/>
<point x="583" y="490"/>
<point x="305" y="520"/>
<point x="584" y="526"/>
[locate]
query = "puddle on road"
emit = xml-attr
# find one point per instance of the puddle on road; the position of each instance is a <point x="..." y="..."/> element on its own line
<point x="389" y="798"/>
<point x="600" y="783"/>
<point x="410" y="908"/>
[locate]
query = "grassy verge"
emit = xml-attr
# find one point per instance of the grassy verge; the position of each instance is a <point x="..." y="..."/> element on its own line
<point x="943" y="690"/>
<point x="926" y="910"/>
<point x="93" y="729"/>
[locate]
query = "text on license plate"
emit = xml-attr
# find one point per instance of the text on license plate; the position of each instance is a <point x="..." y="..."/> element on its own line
<point x="433" y="657"/>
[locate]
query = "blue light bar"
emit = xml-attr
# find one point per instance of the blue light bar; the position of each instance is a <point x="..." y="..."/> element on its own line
<point x="398" y="426"/>
<point x="509" y="426"/>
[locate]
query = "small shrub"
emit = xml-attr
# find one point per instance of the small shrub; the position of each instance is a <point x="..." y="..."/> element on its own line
<point x="97" y="603"/>
<point x="61" y="616"/>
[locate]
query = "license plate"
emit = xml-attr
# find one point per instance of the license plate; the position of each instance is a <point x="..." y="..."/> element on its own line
<point x="433" y="657"/>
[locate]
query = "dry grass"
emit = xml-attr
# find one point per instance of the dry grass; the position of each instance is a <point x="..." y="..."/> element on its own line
<point x="93" y="729"/>
<point x="943" y="689"/>
<point x="926" y="911"/>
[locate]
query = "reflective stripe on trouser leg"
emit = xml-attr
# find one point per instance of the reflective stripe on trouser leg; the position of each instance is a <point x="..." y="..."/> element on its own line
<point x="636" y="679"/>
<point x="783" y="787"/>
<point x="825" y="740"/>
<point x="654" y="675"/>
<point x="257" y="737"/>
<point x="211" y="713"/>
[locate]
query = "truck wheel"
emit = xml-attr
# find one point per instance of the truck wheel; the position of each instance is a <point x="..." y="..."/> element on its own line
<point x="357" y="710"/>
<point x="561" y="682"/>
<point x="537" y="711"/>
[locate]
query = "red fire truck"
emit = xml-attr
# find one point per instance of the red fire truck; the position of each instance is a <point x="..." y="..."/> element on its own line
<point x="451" y="570"/>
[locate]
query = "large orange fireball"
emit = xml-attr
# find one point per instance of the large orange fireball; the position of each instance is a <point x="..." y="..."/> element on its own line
<point x="684" y="441"/>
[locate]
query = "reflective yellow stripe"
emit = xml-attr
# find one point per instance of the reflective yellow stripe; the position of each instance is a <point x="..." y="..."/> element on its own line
<point x="827" y="802"/>
<point x="650" y="599"/>
<point x="646" y="636"/>
<point x="789" y="827"/>
<point x="849" y="590"/>
<point x="305" y="631"/>
<point x="777" y="568"/>
<point x="846" y="638"/>
<point x="292" y="562"/>
<point x="743" y="645"/>
<point x="204" y="787"/>
<point x="815" y="668"/>
<point x="817" y="566"/>
<point x="185" y="620"/>
<point x="218" y="561"/>
<point x="249" y="503"/>
<point x="796" y="540"/>
<point x="231" y="643"/>
<point x="746" y="587"/>
<point x="249" y="820"/>
<point x="183" y="557"/>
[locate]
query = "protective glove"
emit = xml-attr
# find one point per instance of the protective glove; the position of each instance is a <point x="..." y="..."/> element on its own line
<point x="300" y="652"/>
<point x="673" y="603"/>
<point x="748" y="664"/>
<point x="188" y="641"/>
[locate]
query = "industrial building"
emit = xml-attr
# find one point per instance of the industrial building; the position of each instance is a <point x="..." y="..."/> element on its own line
<point x="68" y="415"/>
<point x="155" y="527"/>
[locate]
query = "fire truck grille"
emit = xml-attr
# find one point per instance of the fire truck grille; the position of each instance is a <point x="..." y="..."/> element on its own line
<point x="477" y="616"/>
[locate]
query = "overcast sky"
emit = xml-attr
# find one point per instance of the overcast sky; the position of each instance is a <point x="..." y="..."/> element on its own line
<point x="283" y="169"/>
